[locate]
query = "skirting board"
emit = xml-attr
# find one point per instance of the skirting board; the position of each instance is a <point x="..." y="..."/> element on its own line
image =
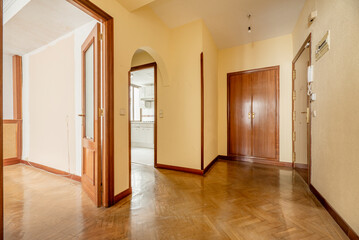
<point x="11" y="161"/>
<point x="122" y="195"/>
<point x="210" y="165"/>
<point x="188" y="170"/>
<point x="341" y="222"/>
<point x="255" y="160"/>
<point x="52" y="170"/>
<point x="301" y="165"/>
<point x="181" y="169"/>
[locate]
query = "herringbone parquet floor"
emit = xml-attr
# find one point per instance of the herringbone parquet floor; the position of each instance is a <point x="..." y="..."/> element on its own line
<point x="233" y="201"/>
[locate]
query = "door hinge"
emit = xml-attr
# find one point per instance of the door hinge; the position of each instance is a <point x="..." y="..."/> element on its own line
<point x="294" y="95"/>
<point x="294" y="157"/>
<point x="100" y="112"/>
<point x="294" y="116"/>
<point x="308" y="115"/>
<point x="294" y="74"/>
<point x="100" y="36"/>
<point x="294" y="136"/>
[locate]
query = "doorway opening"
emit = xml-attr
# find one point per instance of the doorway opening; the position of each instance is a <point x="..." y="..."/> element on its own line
<point x="301" y="107"/>
<point x="142" y="114"/>
<point x="52" y="75"/>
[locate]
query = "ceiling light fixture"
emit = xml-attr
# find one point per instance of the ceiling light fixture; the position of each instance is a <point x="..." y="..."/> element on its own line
<point x="249" y="20"/>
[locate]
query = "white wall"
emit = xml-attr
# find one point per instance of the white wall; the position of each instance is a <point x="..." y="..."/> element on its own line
<point x="7" y="87"/>
<point x="57" y="107"/>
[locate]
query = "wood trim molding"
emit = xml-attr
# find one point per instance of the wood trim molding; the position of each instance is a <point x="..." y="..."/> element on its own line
<point x="202" y="113"/>
<point x="108" y="96"/>
<point x="17" y="86"/>
<point x="256" y="160"/>
<point x="301" y="165"/>
<point x="309" y="130"/>
<point x="180" y="169"/>
<point x="209" y="167"/>
<point x="341" y="222"/>
<point x="52" y="170"/>
<point x="122" y="195"/>
<point x="91" y="9"/>
<point x="1" y="126"/>
<point x="11" y="161"/>
<point x="144" y="66"/>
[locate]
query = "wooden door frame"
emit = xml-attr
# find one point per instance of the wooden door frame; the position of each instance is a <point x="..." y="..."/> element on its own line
<point x="250" y="158"/>
<point x="108" y="197"/>
<point x="136" y="68"/>
<point x="309" y="125"/>
<point x="1" y="127"/>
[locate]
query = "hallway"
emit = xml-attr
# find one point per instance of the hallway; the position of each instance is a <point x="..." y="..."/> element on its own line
<point x="233" y="201"/>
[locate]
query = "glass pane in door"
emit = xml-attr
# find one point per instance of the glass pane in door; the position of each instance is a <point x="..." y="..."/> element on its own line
<point x="89" y="85"/>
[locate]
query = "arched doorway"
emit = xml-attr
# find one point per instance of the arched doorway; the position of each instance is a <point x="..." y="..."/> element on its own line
<point x="143" y="109"/>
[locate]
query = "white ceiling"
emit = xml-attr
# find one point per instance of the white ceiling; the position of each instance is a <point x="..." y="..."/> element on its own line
<point x="143" y="77"/>
<point x="227" y="19"/>
<point x="39" y="23"/>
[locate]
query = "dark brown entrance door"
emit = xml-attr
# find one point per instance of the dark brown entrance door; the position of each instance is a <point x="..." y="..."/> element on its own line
<point x="253" y="114"/>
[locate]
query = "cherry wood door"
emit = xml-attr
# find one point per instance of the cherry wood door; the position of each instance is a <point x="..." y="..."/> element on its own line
<point x="253" y="114"/>
<point x="91" y="97"/>
<point x="239" y="113"/>
<point x="264" y="114"/>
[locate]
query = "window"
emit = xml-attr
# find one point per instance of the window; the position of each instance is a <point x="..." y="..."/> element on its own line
<point x="135" y="103"/>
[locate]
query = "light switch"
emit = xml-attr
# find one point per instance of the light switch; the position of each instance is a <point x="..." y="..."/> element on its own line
<point x="161" y="113"/>
<point x="314" y="113"/>
<point x="313" y="97"/>
<point x="122" y="112"/>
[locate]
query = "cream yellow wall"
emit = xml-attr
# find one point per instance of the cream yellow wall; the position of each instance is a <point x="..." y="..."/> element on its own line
<point x="51" y="106"/>
<point x="179" y="131"/>
<point x="271" y="52"/>
<point x="177" y="54"/>
<point x="132" y="31"/>
<point x="335" y="130"/>
<point x="210" y="64"/>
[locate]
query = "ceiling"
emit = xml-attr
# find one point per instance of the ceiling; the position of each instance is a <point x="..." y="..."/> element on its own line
<point x="39" y="23"/>
<point x="227" y="19"/>
<point x="143" y="77"/>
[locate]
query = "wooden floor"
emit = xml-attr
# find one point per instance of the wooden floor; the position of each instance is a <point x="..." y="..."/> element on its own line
<point x="233" y="201"/>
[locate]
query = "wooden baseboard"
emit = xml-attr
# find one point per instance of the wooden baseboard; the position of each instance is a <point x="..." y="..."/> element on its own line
<point x="256" y="160"/>
<point x="341" y="222"/>
<point x="210" y="165"/>
<point x="52" y="170"/>
<point x="11" y="161"/>
<point x="301" y="165"/>
<point x="122" y="195"/>
<point x="181" y="169"/>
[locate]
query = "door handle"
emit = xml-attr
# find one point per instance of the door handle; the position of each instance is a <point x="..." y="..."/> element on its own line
<point x="249" y="115"/>
<point x="81" y="115"/>
<point x="253" y="115"/>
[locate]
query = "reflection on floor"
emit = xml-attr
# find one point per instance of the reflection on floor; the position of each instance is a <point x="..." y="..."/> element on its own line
<point x="233" y="201"/>
<point x="142" y="156"/>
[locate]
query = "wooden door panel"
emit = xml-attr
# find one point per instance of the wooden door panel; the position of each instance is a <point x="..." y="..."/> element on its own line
<point x="239" y="131"/>
<point x="264" y="114"/>
<point x="89" y="165"/>
<point x="91" y="131"/>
